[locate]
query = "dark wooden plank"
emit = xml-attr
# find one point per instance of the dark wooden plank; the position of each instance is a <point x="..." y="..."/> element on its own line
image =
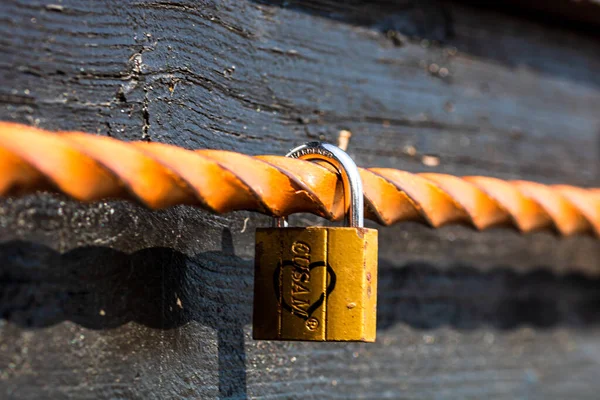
<point x="578" y="14"/>
<point x="112" y="301"/>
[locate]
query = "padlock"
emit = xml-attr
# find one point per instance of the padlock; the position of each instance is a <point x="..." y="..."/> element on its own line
<point x="318" y="283"/>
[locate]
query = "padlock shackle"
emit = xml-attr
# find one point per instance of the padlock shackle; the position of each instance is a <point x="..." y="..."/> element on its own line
<point x="343" y="163"/>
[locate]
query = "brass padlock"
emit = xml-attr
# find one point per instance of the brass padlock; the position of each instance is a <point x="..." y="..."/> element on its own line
<point x="318" y="283"/>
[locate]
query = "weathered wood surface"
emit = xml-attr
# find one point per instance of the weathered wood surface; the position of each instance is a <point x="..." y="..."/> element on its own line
<point x="110" y="300"/>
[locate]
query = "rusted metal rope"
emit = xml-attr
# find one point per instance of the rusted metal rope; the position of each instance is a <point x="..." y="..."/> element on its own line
<point x="88" y="167"/>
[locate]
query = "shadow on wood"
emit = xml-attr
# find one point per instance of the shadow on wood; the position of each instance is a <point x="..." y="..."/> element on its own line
<point x="100" y="288"/>
<point x="466" y="298"/>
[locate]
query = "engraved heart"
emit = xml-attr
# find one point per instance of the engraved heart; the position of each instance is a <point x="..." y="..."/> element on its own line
<point x="316" y="304"/>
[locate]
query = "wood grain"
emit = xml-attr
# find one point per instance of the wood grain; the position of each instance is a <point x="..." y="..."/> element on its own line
<point x="110" y="300"/>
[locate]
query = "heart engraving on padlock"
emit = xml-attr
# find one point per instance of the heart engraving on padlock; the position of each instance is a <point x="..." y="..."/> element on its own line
<point x="311" y="308"/>
<point x="297" y="294"/>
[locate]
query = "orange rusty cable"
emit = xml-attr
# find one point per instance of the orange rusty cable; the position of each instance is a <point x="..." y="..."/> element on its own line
<point x="89" y="167"/>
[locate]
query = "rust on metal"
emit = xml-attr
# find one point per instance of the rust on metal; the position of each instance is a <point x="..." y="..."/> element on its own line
<point x="90" y="167"/>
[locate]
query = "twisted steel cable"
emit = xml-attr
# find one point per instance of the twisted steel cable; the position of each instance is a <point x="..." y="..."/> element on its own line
<point x="88" y="167"/>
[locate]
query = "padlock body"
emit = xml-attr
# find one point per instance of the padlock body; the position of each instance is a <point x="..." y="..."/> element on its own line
<point x="316" y="284"/>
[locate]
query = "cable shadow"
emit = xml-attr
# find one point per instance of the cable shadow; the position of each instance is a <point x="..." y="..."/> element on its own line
<point x="463" y="297"/>
<point x="101" y="288"/>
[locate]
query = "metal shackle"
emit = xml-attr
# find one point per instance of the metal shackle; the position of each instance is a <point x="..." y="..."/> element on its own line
<point x="345" y="166"/>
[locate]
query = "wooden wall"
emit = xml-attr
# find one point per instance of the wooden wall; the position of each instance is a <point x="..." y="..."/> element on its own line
<point x="110" y="300"/>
